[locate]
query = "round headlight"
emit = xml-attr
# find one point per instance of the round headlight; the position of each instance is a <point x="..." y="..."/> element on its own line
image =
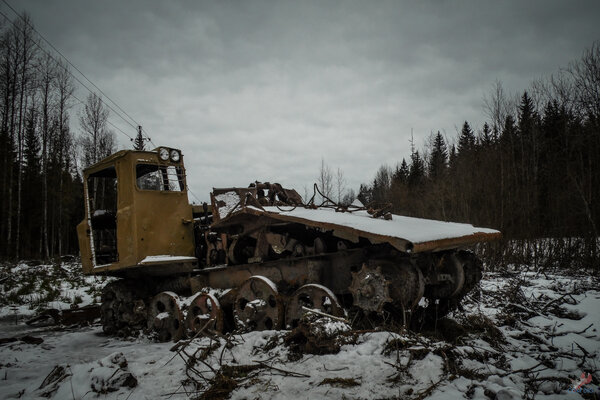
<point x="163" y="154"/>
<point x="174" y="156"/>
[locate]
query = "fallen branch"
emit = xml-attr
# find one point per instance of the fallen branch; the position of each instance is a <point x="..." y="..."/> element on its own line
<point x="524" y="308"/>
<point x="556" y="299"/>
<point x="323" y="314"/>
<point x="530" y="369"/>
<point x="584" y="351"/>
<point x="335" y="369"/>
<point x="424" y="394"/>
<point x="567" y="332"/>
<point x="287" y="373"/>
<point x="180" y="346"/>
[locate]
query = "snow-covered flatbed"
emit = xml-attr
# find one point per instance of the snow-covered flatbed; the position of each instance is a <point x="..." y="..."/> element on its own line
<point x="404" y="233"/>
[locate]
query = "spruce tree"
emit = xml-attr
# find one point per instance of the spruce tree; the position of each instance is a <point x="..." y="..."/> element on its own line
<point x="401" y="173"/>
<point x="138" y="141"/>
<point x="527" y="114"/>
<point x="417" y="169"/>
<point x="439" y="157"/>
<point x="466" y="140"/>
<point x="486" y="136"/>
<point x="365" y="194"/>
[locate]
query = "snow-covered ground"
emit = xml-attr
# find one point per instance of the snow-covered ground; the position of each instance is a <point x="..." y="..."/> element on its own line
<point x="30" y="287"/>
<point x="521" y="335"/>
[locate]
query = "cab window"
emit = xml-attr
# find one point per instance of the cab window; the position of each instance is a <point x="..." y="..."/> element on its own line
<point x="167" y="178"/>
<point x="102" y="197"/>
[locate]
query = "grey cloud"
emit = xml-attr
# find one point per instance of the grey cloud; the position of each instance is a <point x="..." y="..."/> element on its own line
<point x="264" y="89"/>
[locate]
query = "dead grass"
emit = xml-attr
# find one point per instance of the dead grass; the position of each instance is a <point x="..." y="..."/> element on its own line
<point x="482" y="325"/>
<point x="220" y="389"/>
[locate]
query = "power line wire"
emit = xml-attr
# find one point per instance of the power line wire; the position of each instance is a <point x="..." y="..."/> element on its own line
<point x="193" y="194"/>
<point x="69" y="62"/>
<point x="75" y="77"/>
<point x="108" y="121"/>
<point x="70" y="73"/>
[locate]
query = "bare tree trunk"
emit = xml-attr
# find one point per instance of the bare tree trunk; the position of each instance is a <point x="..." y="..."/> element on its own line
<point x="9" y="214"/>
<point x="27" y="53"/>
<point x="5" y="133"/>
<point x="20" y="175"/>
<point x="45" y="250"/>
<point x="340" y="184"/>
<point x="47" y="78"/>
<point x="45" y="134"/>
<point x="325" y="180"/>
<point x="65" y="91"/>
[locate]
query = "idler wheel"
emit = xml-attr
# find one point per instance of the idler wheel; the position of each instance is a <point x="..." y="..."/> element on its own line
<point x="369" y="288"/>
<point x="258" y="305"/>
<point x="451" y="269"/>
<point x="408" y="285"/>
<point x="311" y="296"/>
<point x="165" y="317"/>
<point x="387" y="282"/>
<point x="203" y="308"/>
<point x="472" y="267"/>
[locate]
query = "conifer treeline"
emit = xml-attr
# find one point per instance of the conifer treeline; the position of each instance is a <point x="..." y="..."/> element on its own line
<point x="532" y="171"/>
<point x="40" y="187"/>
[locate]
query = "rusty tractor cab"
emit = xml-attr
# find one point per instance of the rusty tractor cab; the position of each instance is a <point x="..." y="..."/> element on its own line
<point x="137" y="214"/>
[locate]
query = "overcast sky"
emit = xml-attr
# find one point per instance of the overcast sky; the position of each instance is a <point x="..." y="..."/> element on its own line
<point x="255" y="90"/>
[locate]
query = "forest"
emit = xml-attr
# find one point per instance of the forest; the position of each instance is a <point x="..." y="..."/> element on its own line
<point x="531" y="171"/>
<point x="41" y="157"/>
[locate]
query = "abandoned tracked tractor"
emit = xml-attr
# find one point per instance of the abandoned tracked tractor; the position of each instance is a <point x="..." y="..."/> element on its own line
<point x="257" y="257"/>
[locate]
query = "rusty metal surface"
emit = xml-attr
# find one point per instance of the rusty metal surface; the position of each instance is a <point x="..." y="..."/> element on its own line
<point x="407" y="283"/>
<point x="450" y="268"/>
<point x="122" y="306"/>
<point x="315" y="297"/>
<point x="454" y="243"/>
<point x="165" y="317"/>
<point x="384" y="282"/>
<point x="288" y="272"/>
<point x="258" y="305"/>
<point x="204" y="312"/>
<point x="245" y="215"/>
<point x="370" y="289"/>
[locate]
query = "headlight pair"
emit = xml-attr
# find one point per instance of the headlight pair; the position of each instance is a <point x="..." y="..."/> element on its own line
<point x="164" y="154"/>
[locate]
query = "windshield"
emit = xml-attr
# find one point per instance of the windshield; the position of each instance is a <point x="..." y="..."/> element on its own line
<point x="159" y="177"/>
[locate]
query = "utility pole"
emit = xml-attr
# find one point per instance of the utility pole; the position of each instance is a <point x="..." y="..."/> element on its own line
<point x="138" y="141"/>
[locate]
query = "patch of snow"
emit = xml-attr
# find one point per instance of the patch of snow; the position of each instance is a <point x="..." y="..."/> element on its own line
<point x="257" y="303"/>
<point x="357" y="203"/>
<point x="162" y="315"/>
<point x="231" y="200"/>
<point x="167" y="259"/>
<point x="267" y="281"/>
<point x="333" y="327"/>
<point x="415" y="230"/>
